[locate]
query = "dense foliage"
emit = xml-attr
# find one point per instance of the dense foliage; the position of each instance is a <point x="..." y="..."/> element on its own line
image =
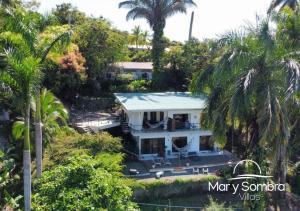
<point x="84" y="183"/>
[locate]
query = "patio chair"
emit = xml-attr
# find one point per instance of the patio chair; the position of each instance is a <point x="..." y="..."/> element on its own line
<point x="195" y="170"/>
<point x="159" y="174"/>
<point x="205" y="170"/>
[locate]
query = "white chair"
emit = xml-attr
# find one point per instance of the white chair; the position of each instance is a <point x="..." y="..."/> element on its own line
<point x="159" y="174"/>
<point x="195" y="170"/>
<point x="205" y="170"/>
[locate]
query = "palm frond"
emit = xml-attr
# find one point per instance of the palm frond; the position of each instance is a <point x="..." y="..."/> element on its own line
<point x="62" y="38"/>
<point x="292" y="67"/>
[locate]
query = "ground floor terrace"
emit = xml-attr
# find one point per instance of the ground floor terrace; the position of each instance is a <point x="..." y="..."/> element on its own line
<point x="181" y="166"/>
<point x="169" y="145"/>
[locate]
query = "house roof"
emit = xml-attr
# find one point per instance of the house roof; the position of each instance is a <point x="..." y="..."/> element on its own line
<point x="161" y="101"/>
<point x="134" y="65"/>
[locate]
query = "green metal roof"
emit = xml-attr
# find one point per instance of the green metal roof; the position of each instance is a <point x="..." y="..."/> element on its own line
<point x="161" y="101"/>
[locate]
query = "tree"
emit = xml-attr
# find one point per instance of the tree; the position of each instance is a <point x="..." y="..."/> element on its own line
<point x="67" y="14"/>
<point x="23" y="76"/>
<point x="84" y="183"/>
<point x="255" y="78"/>
<point x="25" y="54"/>
<point x="293" y="4"/>
<point x="53" y="115"/>
<point x="137" y="33"/>
<point x="145" y="37"/>
<point x="155" y="12"/>
<point x="39" y="49"/>
<point x="95" y="34"/>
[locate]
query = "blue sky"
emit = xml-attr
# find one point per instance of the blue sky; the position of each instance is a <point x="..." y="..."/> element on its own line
<point x="212" y="17"/>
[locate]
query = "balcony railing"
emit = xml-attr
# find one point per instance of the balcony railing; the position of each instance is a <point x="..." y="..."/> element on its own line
<point x="142" y="128"/>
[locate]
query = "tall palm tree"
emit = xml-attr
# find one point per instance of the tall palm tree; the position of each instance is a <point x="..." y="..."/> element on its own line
<point x="293" y="4"/>
<point x="156" y="13"/>
<point x="23" y="76"/>
<point x="253" y="82"/>
<point x="137" y="33"/>
<point x="21" y="38"/>
<point x="17" y="22"/>
<point x="145" y="36"/>
<point x="53" y="115"/>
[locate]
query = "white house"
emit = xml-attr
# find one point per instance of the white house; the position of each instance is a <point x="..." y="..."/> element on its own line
<point x="140" y="70"/>
<point x="166" y="124"/>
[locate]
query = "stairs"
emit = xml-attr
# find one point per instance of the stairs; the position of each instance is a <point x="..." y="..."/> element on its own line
<point x="84" y="129"/>
<point x="125" y="127"/>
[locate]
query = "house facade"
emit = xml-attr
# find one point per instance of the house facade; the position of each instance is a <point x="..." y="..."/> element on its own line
<point x="139" y="70"/>
<point x="166" y="124"/>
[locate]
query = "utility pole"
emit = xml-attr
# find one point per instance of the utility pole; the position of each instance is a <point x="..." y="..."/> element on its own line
<point x="191" y="26"/>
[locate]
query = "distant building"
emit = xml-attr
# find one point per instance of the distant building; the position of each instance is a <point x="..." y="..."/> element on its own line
<point x="139" y="70"/>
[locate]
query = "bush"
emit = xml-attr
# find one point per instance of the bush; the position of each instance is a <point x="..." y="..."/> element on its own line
<point x="163" y="189"/>
<point x="69" y="143"/>
<point x="214" y="206"/>
<point x="138" y="85"/>
<point x="84" y="183"/>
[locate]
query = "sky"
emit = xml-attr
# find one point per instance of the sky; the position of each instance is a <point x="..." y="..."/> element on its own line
<point x="212" y="17"/>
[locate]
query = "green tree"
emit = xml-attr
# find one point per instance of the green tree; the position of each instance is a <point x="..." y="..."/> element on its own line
<point x="95" y="34"/>
<point x="27" y="30"/>
<point x="23" y="76"/>
<point x="84" y="183"/>
<point x="67" y="14"/>
<point x="155" y="13"/>
<point x="253" y="81"/>
<point x="137" y="33"/>
<point x="25" y="55"/>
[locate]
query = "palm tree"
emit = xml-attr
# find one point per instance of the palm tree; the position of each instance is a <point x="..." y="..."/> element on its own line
<point x="21" y="38"/>
<point x="137" y="33"/>
<point x="53" y="114"/>
<point x="253" y="82"/>
<point x="16" y="22"/>
<point x="283" y="3"/>
<point x="156" y="13"/>
<point x="145" y="36"/>
<point x="22" y="75"/>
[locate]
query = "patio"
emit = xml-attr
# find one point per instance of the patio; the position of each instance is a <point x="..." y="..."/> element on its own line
<point x="179" y="166"/>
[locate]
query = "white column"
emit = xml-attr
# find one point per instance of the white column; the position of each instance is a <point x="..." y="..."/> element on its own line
<point x="157" y="116"/>
<point x="168" y="144"/>
<point x="140" y="147"/>
<point x="166" y="120"/>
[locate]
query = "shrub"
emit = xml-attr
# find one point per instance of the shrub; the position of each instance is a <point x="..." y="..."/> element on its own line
<point x="214" y="206"/>
<point x="68" y="143"/>
<point x="83" y="183"/>
<point x="138" y="85"/>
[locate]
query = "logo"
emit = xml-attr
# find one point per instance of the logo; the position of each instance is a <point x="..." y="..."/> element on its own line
<point x="241" y="184"/>
<point x="248" y="176"/>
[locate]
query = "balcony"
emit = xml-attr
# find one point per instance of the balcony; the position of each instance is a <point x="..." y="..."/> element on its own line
<point x="163" y="128"/>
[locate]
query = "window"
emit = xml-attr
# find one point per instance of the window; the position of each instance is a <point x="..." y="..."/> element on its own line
<point x="145" y="76"/>
<point x="161" y="116"/>
<point x="181" y="121"/>
<point x="205" y="143"/>
<point x="153" y="146"/>
<point x="153" y="117"/>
